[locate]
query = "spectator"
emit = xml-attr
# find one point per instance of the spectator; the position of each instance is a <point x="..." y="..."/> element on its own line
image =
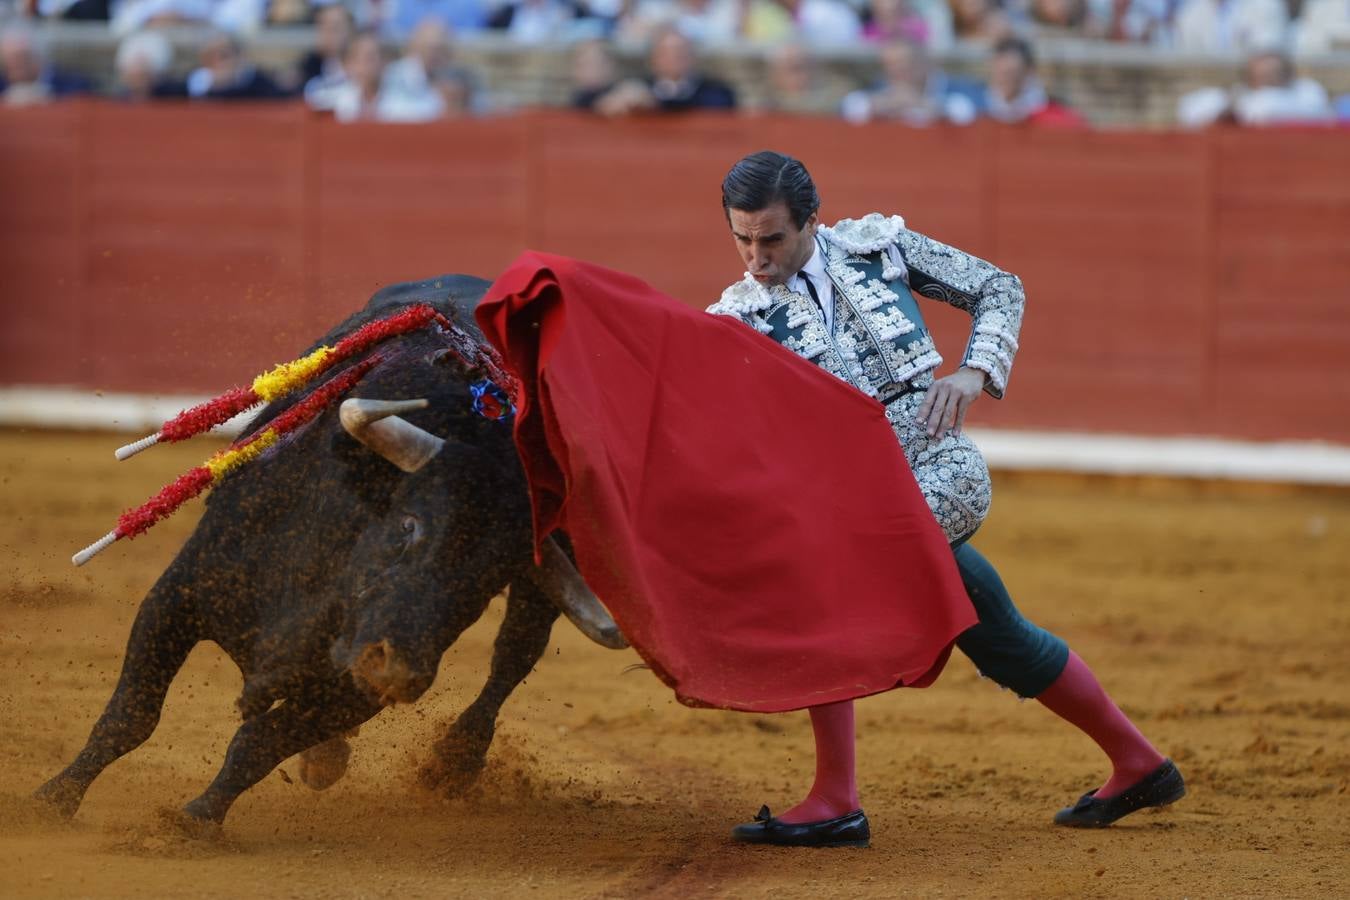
<point x="238" y="16"/>
<point x="1323" y="26"/>
<point x="321" y="68"/>
<point x="226" y="75"/>
<point x="675" y="82"/>
<point x="459" y="16"/>
<point x="830" y="23"/>
<point x="980" y="22"/>
<point x="912" y="90"/>
<point x="1273" y="94"/>
<point x="1270" y="93"/>
<point x="1139" y="21"/>
<point x="1066" y="17"/>
<point x="73" y="10"/>
<point x="416" y="87"/>
<point x="133" y="15"/>
<point x="1225" y="26"/>
<point x="535" y="21"/>
<point x="767" y="22"/>
<point x="625" y="97"/>
<point x="1015" y="94"/>
<point x="358" y="97"/>
<point x="458" y="90"/>
<point x="334" y="25"/>
<point x="141" y="65"/>
<point x="594" y="72"/>
<point x="702" y="21"/>
<point x="292" y="12"/>
<point x="892" y="20"/>
<point x="28" y="77"/>
<point x="795" y="83"/>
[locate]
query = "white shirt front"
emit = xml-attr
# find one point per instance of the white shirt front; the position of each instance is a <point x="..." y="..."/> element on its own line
<point x="820" y="280"/>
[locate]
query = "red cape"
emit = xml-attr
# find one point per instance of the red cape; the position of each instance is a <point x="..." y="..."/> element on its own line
<point x="749" y="520"/>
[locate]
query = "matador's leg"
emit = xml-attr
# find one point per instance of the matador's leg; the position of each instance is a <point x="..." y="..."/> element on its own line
<point x="1026" y="658"/>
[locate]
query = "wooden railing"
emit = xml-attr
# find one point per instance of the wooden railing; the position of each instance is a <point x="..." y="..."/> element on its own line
<point x="1177" y="283"/>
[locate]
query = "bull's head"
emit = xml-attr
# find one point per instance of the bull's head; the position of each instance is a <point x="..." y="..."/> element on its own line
<point x="394" y="646"/>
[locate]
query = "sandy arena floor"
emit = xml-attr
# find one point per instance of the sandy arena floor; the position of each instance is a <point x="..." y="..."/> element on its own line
<point x="1218" y="616"/>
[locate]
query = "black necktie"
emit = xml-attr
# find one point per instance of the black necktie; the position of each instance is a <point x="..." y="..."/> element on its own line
<point x="811" y="289"/>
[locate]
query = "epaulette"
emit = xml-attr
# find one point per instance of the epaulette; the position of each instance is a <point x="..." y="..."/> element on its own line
<point x="742" y="298"/>
<point x="869" y="234"/>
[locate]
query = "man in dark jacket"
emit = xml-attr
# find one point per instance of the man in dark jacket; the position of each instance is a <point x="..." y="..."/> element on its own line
<point x="26" y="75"/>
<point x="226" y="75"/>
<point x="673" y="84"/>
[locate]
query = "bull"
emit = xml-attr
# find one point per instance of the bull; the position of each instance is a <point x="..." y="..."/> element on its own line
<point x="337" y="569"/>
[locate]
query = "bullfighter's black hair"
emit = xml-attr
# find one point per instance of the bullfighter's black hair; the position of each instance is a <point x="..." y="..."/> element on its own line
<point x="765" y="178"/>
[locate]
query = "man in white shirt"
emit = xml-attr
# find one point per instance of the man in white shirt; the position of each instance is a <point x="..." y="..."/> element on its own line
<point x="1226" y="26"/>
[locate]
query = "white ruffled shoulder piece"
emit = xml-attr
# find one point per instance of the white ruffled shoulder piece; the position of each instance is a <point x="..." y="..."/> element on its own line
<point x="869" y="234"/>
<point x="743" y="298"/>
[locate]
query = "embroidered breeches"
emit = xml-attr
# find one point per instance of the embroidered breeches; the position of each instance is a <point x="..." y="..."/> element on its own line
<point x="949" y="468"/>
<point x="1004" y="645"/>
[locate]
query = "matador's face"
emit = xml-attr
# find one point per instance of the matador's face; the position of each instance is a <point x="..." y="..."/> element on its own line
<point x="772" y="247"/>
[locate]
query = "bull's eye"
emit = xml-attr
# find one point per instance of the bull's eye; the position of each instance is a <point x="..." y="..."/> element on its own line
<point x="412" y="530"/>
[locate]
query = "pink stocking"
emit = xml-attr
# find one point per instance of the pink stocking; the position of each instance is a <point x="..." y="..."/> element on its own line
<point x="835" y="792"/>
<point x="1079" y="699"/>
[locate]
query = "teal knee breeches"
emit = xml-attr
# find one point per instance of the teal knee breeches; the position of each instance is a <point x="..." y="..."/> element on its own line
<point x="1004" y="646"/>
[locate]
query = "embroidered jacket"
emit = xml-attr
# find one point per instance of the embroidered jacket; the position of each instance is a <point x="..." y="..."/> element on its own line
<point x="879" y="342"/>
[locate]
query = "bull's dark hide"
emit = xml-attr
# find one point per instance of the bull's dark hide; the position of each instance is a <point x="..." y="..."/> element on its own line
<point x="336" y="581"/>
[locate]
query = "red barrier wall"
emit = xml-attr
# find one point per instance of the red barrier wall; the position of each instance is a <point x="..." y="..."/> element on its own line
<point x="1177" y="283"/>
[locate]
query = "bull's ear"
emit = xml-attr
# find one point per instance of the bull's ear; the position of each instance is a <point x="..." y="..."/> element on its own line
<point x="376" y="424"/>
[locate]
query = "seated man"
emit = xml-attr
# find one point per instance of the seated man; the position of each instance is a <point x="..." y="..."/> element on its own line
<point x="796" y="83"/>
<point x="26" y="75"/>
<point x="1270" y="93"/>
<point x="142" y="64"/>
<point x="425" y="84"/>
<point x="1015" y="94"/>
<point x="225" y="74"/>
<point x="912" y="90"/>
<point x="675" y="81"/>
<point x="673" y="85"/>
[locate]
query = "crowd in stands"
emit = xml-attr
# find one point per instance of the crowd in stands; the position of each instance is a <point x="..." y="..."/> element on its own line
<point x="347" y="72"/>
<point x="1305" y="26"/>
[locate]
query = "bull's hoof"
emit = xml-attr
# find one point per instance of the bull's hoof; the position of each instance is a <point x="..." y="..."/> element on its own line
<point x="182" y="823"/>
<point x="450" y="778"/>
<point x="457" y="759"/>
<point x="61" y="797"/>
<point x="323" y="765"/>
<point x="26" y="814"/>
<point x="455" y="764"/>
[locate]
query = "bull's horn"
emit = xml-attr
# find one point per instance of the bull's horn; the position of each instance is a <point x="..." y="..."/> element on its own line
<point x="561" y="582"/>
<point x="376" y="424"/>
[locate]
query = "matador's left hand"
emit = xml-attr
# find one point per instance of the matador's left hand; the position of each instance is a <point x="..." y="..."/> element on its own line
<point x="944" y="408"/>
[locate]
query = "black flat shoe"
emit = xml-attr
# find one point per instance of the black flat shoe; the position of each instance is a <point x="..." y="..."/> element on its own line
<point x="1160" y="787"/>
<point x="846" y="831"/>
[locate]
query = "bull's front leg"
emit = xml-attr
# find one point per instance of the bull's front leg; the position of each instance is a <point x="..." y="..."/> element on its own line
<point x="264" y="742"/>
<point x="163" y="634"/>
<point x="459" y="755"/>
